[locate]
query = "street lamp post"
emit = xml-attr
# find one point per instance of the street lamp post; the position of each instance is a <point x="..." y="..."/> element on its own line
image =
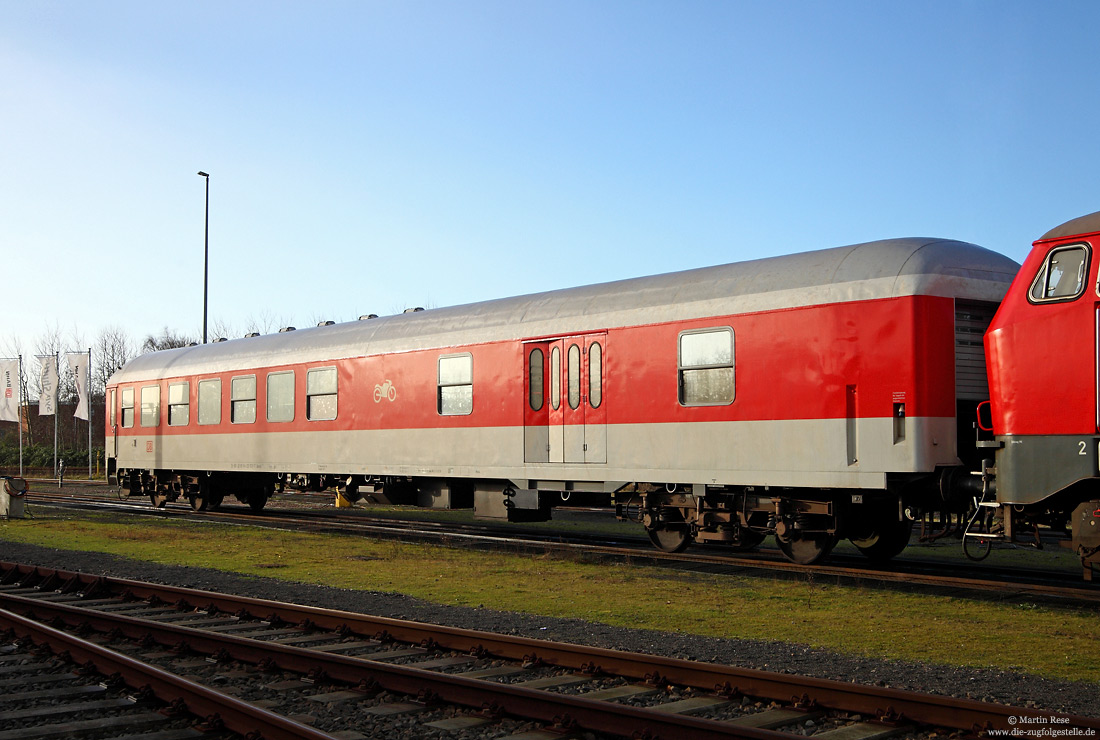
<point x="205" y="256"/>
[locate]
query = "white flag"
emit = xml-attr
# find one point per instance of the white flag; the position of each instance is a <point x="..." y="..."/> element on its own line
<point x="9" y="390"/>
<point x="78" y="363"/>
<point x="47" y="398"/>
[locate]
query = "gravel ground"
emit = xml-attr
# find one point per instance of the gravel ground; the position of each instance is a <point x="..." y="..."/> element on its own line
<point x="988" y="685"/>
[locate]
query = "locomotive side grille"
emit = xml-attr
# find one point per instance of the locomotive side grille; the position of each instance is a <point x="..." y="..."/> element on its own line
<point x="972" y="319"/>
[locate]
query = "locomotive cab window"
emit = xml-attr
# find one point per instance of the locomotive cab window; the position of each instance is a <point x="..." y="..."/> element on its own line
<point x="127" y="408"/>
<point x="321" y="394"/>
<point x="179" y="404"/>
<point x="210" y="401"/>
<point x="150" y="406"/>
<point x="1062" y="276"/>
<point x="706" y="367"/>
<point x="242" y="396"/>
<point x="456" y="385"/>
<point x="280" y="396"/>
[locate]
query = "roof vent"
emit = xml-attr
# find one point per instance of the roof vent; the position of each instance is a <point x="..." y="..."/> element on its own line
<point x="413" y="310"/>
<point x="325" y="323"/>
<point x="286" y="329"/>
<point x="220" y="339"/>
<point x="251" y="334"/>
<point x="366" y="316"/>
<point x="189" y="344"/>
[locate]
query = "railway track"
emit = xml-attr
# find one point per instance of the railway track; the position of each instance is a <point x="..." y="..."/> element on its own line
<point x="317" y="673"/>
<point x="55" y="684"/>
<point x="982" y="580"/>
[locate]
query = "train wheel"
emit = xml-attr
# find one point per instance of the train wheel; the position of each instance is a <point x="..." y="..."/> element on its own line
<point x="210" y="494"/>
<point x="671" y="534"/>
<point x="807" y="548"/>
<point x="198" y="502"/>
<point x="158" y="500"/>
<point x="888" y="539"/>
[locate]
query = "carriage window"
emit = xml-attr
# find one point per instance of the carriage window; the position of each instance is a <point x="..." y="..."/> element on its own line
<point x="456" y="385"/>
<point x="150" y="406"/>
<point x="555" y="377"/>
<point x="210" y="401"/>
<point x="536" y="389"/>
<point x="242" y="396"/>
<point x="573" y="379"/>
<point x="1062" y="276"/>
<point x="179" y="404"/>
<point x="321" y="394"/>
<point x="595" y="376"/>
<point x="280" y="396"/>
<point x="127" y="407"/>
<point x="706" y="367"/>
<point x="112" y="404"/>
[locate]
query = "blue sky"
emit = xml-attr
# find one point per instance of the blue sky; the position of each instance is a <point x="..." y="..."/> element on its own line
<point x="368" y="156"/>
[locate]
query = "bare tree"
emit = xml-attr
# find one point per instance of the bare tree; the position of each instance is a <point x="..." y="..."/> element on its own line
<point x="265" y="323"/>
<point x="317" y="318"/>
<point x="396" y="308"/>
<point x="222" y="328"/>
<point x="112" y="350"/>
<point x="166" y="340"/>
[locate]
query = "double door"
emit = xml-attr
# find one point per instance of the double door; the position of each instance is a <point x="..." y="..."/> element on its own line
<point x="565" y="417"/>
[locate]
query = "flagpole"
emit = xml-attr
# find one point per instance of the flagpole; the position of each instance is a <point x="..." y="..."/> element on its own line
<point x="19" y="397"/>
<point x="56" y="415"/>
<point x="88" y="395"/>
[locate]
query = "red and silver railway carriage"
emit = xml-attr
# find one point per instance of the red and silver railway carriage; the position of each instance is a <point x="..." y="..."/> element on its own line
<point x="810" y="397"/>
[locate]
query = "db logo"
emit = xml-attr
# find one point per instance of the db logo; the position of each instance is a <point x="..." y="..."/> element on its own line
<point x="7" y="393"/>
<point x="149" y="446"/>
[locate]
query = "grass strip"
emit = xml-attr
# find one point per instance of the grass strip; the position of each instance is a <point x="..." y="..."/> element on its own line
<point x="1061" y="642"/>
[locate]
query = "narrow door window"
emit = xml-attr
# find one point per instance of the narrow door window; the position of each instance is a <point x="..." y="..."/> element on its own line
<point x="574" y="373"/>
<point x="536" y="390"/>
<point x="595" y="376"/>
<point x="555" y="378"/>
<point x="127" y="408"/>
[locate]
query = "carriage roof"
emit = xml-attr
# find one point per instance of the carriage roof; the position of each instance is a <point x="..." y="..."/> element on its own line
<point x="879" y="269"/>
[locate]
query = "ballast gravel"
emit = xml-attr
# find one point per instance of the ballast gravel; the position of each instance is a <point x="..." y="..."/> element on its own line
<point x="1017" y="689"/>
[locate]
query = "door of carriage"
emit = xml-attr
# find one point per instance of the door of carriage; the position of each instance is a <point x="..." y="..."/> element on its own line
<point x="565" y="416"/>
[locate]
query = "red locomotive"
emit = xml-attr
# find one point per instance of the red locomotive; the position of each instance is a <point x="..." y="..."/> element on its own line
<point x="1042" y="350"/>
<point x="812" y="397"/>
